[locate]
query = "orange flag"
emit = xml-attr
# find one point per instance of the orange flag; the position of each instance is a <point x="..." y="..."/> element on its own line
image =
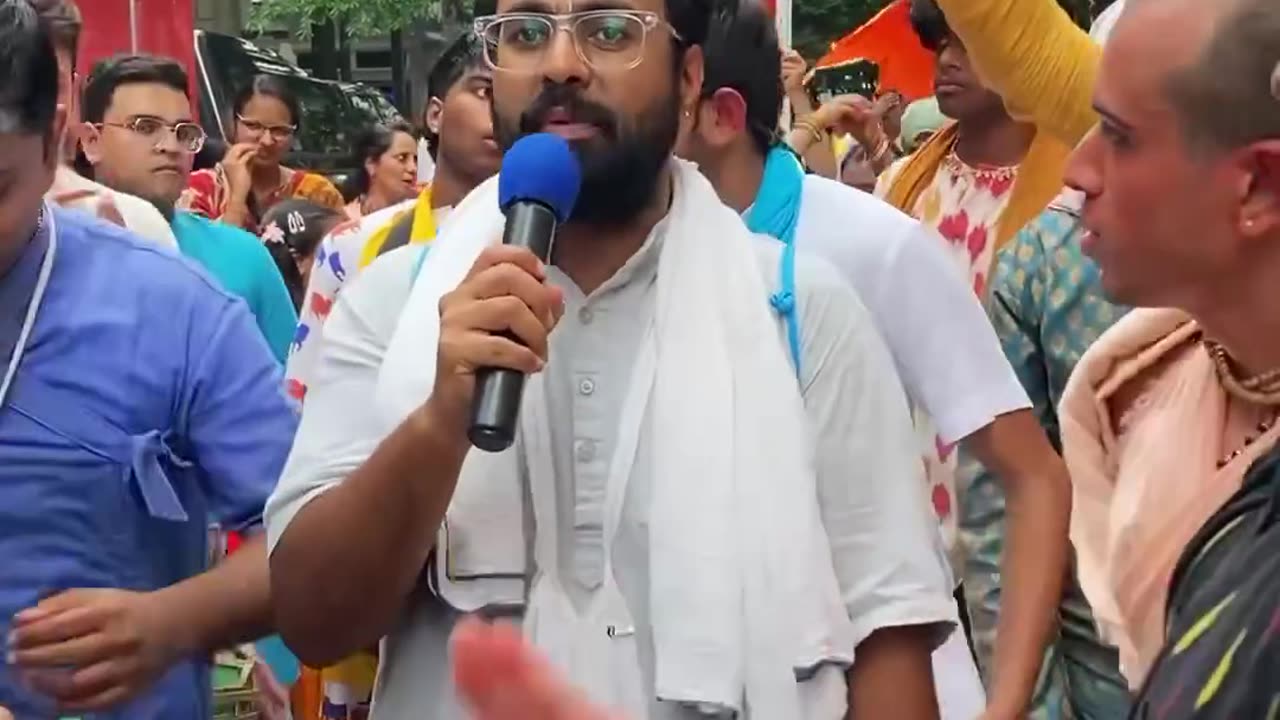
<point x="889" y="41"/>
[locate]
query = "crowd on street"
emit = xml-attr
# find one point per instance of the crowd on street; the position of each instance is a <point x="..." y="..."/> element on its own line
<point x="835" y="405"/>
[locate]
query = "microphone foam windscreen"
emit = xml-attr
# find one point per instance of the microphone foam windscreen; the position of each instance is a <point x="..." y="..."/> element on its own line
<point x="542" y="168"/>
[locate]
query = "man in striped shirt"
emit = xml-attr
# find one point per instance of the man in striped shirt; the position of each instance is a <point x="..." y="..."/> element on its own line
<point x="460" y="135"/>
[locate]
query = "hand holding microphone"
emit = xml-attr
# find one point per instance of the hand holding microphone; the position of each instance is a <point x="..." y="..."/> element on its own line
<point x="494" y="327"/>
<point x="500" y="316"/>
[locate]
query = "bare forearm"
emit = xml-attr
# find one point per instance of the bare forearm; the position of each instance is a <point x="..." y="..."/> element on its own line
<point x="236" y="214"/>
<point x="815" y="147"/>
<point x="892" y="676"/>
<point x="374" y="531"/>
<point x="1033" y="570"/>
<point x="228" y="605"/>
<point x="801" y="105"/>
<point x="821" y="158"/>
<point x="1038" y="507"/>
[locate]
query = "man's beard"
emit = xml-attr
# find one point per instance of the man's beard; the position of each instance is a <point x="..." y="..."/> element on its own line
<point x="620" y="166"/>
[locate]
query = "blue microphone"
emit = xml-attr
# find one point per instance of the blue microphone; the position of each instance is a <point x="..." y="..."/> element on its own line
<point x="537" y="188"/>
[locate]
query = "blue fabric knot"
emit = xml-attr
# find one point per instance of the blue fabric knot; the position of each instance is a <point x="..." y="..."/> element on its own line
<point x="776" y="212"/>
<point x="146" y="452"/>
<point x="784" y="302"/>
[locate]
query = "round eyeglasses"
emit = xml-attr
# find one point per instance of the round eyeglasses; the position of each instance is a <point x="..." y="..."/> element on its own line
<point x="189" y="136"/>
<point x="606" y="40"/>
<point x="280" y="133"/>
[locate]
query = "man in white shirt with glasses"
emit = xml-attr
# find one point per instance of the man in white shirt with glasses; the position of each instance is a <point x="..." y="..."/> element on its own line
<point x="701" y="522"/>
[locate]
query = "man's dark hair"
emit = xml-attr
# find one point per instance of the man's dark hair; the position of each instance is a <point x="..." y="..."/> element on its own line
<point x="692" y="19"/>
<point x="109" y="75"/>
<point x="65" y="25"/>
<point x="463" y="54"/>
<point x="929" y="23"/>
<point x="29" y="68"/>
<point x="1224" y="98"/>
<point x="466" y="53"/>
<point x="742" y="54"/>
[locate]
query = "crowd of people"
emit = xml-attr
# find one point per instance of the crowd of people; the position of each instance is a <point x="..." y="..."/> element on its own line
<point x="960" y="407"/>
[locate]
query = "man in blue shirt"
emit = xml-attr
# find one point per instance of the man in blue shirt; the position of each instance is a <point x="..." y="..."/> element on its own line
<point x="140" y="137"/>
<point x="138" y="405"/>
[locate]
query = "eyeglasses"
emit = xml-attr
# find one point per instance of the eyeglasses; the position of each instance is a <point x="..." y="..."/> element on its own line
<point x="607" y="40"/>
<point x="281" y="133"/>
<point x="190" y="136"/>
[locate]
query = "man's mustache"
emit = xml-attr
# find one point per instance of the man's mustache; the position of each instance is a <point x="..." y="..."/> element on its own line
<point x="570" y="100"/>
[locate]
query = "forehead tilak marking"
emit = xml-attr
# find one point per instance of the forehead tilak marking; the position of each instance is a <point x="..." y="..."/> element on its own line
<point x="1275" y="82"/>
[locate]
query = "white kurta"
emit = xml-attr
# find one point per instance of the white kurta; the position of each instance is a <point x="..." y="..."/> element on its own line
<point x="889" y="561"/>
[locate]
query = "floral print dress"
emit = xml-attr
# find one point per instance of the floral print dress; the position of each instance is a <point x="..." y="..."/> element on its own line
<point x="208" y="194"/>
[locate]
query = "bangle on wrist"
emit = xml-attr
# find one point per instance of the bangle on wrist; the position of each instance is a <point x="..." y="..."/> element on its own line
<point x="809" y="127"/>
<point x="882" y="149"/>
<point x="815" y="119"/>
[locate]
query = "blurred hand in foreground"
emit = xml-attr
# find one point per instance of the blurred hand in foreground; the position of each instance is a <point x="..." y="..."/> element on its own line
<point x="502" y="678"/>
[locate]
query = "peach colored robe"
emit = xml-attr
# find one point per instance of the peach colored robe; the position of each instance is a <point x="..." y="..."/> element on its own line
<point x="1142" y="488"/>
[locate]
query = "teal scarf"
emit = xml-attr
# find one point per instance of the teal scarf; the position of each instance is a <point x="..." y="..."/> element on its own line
<point x="776" y="210"/>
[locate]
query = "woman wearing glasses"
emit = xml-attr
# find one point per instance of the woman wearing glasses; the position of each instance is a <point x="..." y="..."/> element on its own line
<point x="250" y="179"/>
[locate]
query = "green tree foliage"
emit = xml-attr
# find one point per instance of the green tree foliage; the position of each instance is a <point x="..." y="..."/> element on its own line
<point x="360" y="17"/>
<point x="815" y="24"/>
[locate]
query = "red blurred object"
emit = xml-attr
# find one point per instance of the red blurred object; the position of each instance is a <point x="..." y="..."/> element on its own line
<point x="234" y="540"/>
<point x="889" y="41"/>
<point x="157" y="27"/>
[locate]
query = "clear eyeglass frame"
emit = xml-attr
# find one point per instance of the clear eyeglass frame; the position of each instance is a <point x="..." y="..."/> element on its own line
<point x="485" y="27"/>
<point x="149" y="128"/>
<point x="282" y="133"/>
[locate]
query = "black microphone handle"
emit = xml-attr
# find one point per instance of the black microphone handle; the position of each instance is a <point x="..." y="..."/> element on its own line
<point x="495" y="408"/>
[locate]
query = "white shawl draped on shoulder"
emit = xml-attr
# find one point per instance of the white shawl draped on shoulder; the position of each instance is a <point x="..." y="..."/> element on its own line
<point x="732" y="470"/>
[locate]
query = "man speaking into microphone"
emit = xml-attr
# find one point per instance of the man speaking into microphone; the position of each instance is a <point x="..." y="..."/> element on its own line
<point x="712" y="498"/>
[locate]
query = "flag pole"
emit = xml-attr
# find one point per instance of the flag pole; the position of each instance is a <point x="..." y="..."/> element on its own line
<point x="782" y="22"/>
<point x="133" y="26"/>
